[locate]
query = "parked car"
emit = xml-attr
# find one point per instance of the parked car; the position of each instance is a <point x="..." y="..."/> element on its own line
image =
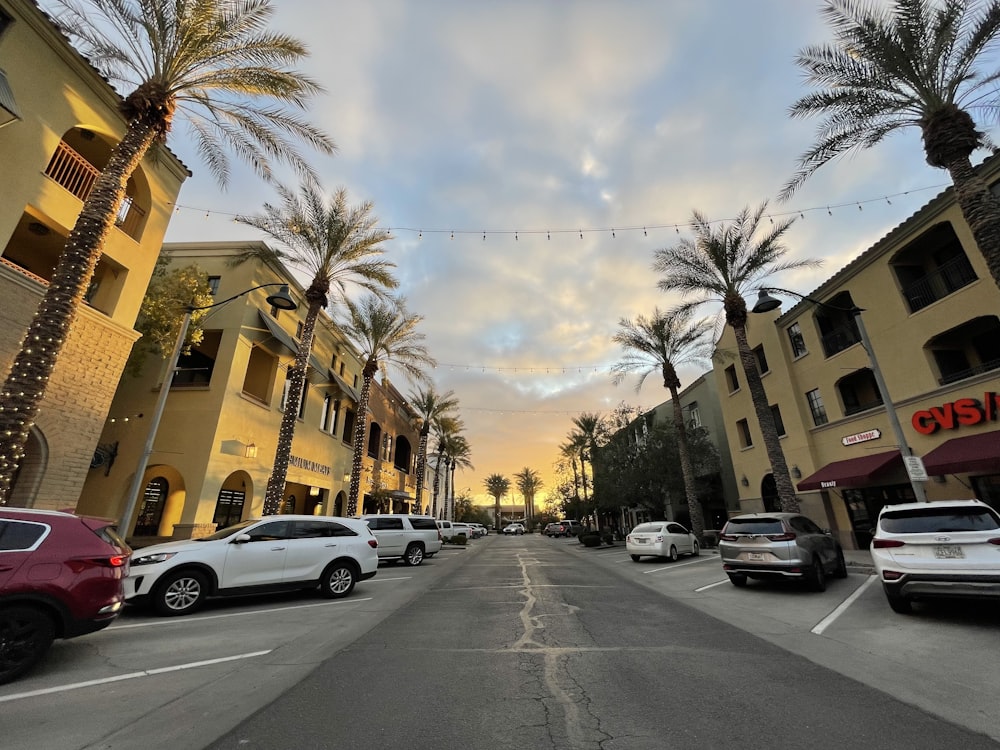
<point x="564" y="528"/>
<point x="61" y="576"/>
<point x="945" y="548"/>
<point x="513" y="528"/>
<point x="478" y="530"/>
<point x="461" y="529"/>
<point x="660" y="539"/>
<point x="779" y="545"/>
<point x="552" y="529"/>
<point x="274" y="553"/>
<point x="404" y="537"/>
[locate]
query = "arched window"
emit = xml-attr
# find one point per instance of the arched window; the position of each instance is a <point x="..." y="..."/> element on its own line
<point x="229" y="508"/>
<point x="151" y="511"/>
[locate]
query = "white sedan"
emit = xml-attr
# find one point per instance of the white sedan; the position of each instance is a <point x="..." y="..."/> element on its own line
<point x="660" y="539"/>
<point x="513" y="528"/>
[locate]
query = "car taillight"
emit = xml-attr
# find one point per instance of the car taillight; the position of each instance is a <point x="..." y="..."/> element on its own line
<point x="659" y="538"/>
<point x="883" y="543"/>
<point x="727" y="537"/>
<point x="993" y="541"/>
<point x="891" y="575"/>
<point x="117" y="561"/>
<point x="786" y="537"/>
<point x="373" y="543"/>
<point x="80" y="564"/>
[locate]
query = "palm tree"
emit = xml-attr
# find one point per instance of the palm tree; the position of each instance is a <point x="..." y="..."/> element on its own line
<point x="444" y="427"/>
<point x="212" y="62"/>
<point x="723" y="264"/>
<point x="385" y="332"/>
<point x="662" y="343"/>
<point x="916" y="64"/>
<point x="456" y="454"/>
<point x="528" y="483"/>
<point x="430" y="406"/>
<point x="590" y="429"/>
<point x="497" y="485"/>
<point x="571" y="450"/>
<point x="335" y="245"/>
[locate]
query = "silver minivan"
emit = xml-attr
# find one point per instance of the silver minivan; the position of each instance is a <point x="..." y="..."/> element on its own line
<point x="782" y="546"/>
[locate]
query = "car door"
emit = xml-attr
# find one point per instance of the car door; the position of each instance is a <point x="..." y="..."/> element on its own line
<point x="312" y="546"/>
<point x="391" y="535"/>
<point x="260" y="561"/>
<point x="679" y="537"/>
<point x="18" y="539"/>
<point x="819" y="543"/>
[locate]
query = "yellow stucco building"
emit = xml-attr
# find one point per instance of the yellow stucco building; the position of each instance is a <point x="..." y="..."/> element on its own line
<point x="59" y="120"/>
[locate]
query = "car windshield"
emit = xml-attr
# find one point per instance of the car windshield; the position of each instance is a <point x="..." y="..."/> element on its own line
<point x="647" y="528"/>
<point x="932" y="520"/>
<point x="753" y="526"/>
<point x="226" y="532"/>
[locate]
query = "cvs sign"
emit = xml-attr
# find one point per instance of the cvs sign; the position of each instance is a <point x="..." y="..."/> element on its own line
<point x="954" y="414"/>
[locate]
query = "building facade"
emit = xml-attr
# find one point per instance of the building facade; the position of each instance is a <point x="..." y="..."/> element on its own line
<point x="217" y="438"/>
<point x="932" y="313"/>
<point x="59" y="120"/>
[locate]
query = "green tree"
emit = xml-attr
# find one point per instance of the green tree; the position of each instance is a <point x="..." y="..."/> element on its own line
<point x="430" y="406"/>
<point x="337" y="247"/>
<point x="918" y="64"/>
<point x="589" y="433"/>
<point x="386" y="333"/>
<point x="662" y="343"/>
<point x="497" y="485"/>
<point x="456" y="455"/>
<point x="528" y="483"/>
<point x="724" y="263"/>
<point x="211" y="62"/>
<point x="443" y="427"/>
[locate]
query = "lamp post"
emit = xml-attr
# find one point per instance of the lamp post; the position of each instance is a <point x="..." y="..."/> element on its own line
<point x="766" y="303"/>
<point x="281" y="300"/>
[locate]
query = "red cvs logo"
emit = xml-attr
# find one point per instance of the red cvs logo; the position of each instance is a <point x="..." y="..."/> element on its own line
<point x="954" y="414"/>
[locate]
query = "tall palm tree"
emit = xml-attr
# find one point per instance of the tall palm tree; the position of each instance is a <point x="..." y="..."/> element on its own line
<point x="386" y="333"/>
<point x="528" y="483"/>
<point x="444" y="427"/>
<point x="336" y="246"/>
<point x="662" y="343"/>
<point x="456" y="452"/>
<point x="430" y="406"/>
<point x="723" y="264"/>
<point x="917" y="64"/>
<point x="590" y="430"/>
<point x="571" y="450"/>
<point x="213" y="62"/>
<point x="497" y="485"/>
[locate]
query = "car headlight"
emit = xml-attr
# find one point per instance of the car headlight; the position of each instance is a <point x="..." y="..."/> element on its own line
<point x="157" y="557"/>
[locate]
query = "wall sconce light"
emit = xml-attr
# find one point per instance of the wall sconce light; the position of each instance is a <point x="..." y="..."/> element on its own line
<point x="744" y="481"/>
<point x="314" y="492"/>
<point x="347" y="477"/>
<point x="251" y="450"/>
<point x="796" y="472"/>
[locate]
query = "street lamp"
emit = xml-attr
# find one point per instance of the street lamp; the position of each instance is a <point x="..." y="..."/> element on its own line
<point x="766" y="303"/>
<point x="281" y="300"/>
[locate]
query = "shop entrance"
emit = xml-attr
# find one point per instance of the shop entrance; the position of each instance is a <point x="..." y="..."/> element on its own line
<point x="863" y="506"/>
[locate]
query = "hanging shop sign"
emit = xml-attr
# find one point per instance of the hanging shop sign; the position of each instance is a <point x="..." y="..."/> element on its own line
<point x="861" y="437"/>
<point x="964" y="412"/>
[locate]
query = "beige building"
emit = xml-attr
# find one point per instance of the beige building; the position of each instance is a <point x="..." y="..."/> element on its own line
<point x="217" y="439"/>
<point x="59" y="120"/>
<point x="931" y="311"/>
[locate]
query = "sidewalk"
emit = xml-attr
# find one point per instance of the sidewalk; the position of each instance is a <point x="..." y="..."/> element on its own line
<point x="859" y="561"/>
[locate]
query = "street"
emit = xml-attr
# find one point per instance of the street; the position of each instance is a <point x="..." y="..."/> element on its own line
<point x="526" y="642"/>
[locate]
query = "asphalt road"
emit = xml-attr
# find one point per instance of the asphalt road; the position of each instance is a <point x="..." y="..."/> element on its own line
<point x="529" y="643"/>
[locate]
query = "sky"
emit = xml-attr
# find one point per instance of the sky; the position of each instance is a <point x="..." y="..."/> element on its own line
<point x="529" y="157"/>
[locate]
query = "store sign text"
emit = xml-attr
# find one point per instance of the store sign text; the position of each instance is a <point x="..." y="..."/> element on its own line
<point x="304" y="463"/>
<point x="961" y="413"/>
<point x="861" y="437"/>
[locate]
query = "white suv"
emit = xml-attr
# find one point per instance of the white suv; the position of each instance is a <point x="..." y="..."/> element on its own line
<point x="945" y="548"/>
<point x="403" y="537"/>
<point x="275" y="553"/>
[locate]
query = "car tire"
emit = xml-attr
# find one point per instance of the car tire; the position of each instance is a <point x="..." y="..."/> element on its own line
<point x="840" y="571"/>
<point x="180" y="593"/>
<point x="739" y="580"/>
<point x="673" y="554"/>
<point x="635" y="558"/>
<point x="817" y="576"/>
<point x="25" y="636"/>
<point x="414" y="555"/>
<point x="899" y="604"/>
<point x="695" y="549"/>
<point x="338" y="580"/>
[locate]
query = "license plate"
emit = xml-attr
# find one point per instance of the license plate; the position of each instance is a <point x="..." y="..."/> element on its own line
<point x="641" y="541"/>
<point x="755" y="555"/>
<point x="949" y="552"/>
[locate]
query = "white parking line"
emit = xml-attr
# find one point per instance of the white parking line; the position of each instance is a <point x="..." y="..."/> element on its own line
<point x="189" y="620"/>
<point x="828" y="620"/>
<point x="380" y="580"/>
<point x="674" y="566"/>
<point x="712" y="585"/>
<point x="129" y="676"/>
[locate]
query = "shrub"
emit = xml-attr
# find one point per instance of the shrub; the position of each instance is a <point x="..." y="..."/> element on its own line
<point x="592" y="539"/>
<point x="608" y="538"/>
<point x="457" y="539"/>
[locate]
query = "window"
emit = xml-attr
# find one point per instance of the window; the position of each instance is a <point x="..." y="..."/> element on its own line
<point x="333" y="363"/>
<point x="374" y="440"/>
<point x="284" y="394"/>
<point x="21" y="535"/>
<point x="816" y="407"/>
<point x="5" y="21"/>
<point x="229" y="508"/>
<point x="271" y="531"/>
<point x="694" y="416"/>
<point x="259" y="379"/>
<point x="342" y="367"/>
<point x="320" y="530"/>
<point x="327" y="416"/>
<point x="779" y="425"/>
<point x="758" y="354"/>
<point x="299" y="328"/>
<point x="731" y="380"/>
<point x="796" y="340"/>
<point x="349" y="417"/>
<point x="302" y="399"/>
<point x="385" y="523"/>
<point x="743" y="429"/>
<point x="195" y="369"/>
<point x="213" y="284"/>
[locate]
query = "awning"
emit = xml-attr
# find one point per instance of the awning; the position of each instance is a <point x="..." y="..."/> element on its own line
<point x="8" y="107"/>
<point x="852" y="472"/>
<point x="288" y="342"/>
<point x="962" y="455"/>
<point x="342" y="384"/>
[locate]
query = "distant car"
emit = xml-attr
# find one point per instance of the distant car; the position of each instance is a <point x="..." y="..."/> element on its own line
<point x="553" y="529"/>
<point x="275" y="553"/>
<point x="660" y="539"/>
<point x="61" y="576"/>
<point x="786" y="546"/>
<point x="513" y="528"/>
<point x="404" y="537"/>
<point x="563" y="528"/>
<point x="478" y="530"/>
<point x="461" y="529"/>
<point x="944" y="548"/>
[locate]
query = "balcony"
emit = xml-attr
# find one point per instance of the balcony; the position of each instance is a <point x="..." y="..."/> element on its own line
<point x="948" y="278"/>
<point x="954" y="377"/>
<point x="840" y="338"/>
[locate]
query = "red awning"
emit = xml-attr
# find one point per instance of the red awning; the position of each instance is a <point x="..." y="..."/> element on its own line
<point x="852" y="472"/>
<point x="965" y="454"/>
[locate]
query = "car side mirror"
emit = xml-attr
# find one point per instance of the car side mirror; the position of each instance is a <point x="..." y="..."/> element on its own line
<point x="241" y="539"/>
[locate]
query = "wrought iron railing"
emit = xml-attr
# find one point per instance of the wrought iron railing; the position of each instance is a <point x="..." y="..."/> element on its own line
<point x="952" y="377"/>
<point x="950" y="277"/>
<point x="840" y="338"/>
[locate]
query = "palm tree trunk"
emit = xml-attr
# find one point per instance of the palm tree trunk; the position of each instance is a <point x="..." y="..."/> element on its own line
<point x="981" y="210"/>
<point x="360" y="430"/>
<point x="437" y="483"/>
<point x="28" y="378"/>
<point x="765" y="418"/>
<point x="421" y="467"/>
<point x="694" y="507"/>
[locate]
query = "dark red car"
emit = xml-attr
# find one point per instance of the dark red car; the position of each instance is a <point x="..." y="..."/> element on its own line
<point x="61" y="575"/>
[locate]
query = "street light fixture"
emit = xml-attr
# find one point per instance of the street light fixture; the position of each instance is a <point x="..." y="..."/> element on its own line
<point x="767" y="303"/>
<point x="281" y="300"/>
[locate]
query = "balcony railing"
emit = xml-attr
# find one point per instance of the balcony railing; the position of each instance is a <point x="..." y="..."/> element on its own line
<point x="858" y="408"/>
<point x="953" y="377"/>
<point x="950" y="277"/>
<point x="840" y="338"/>
<point x="71" y="170"/>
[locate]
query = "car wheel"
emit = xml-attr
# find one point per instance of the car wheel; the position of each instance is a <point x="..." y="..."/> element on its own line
<point x="635" y="558"/>
<point x="738" y="580"/>
<point x="899" y="604"/>
<point x="180" y="593"/>
<point x="840" y="570"/>
<point x="25" y="635"/>
<point x="673" y="553"/>
<point x="414" y="555"/>
<point x="695" y="549"/>
<point x="338" y="580"/>
<point x="817" y="576"/>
